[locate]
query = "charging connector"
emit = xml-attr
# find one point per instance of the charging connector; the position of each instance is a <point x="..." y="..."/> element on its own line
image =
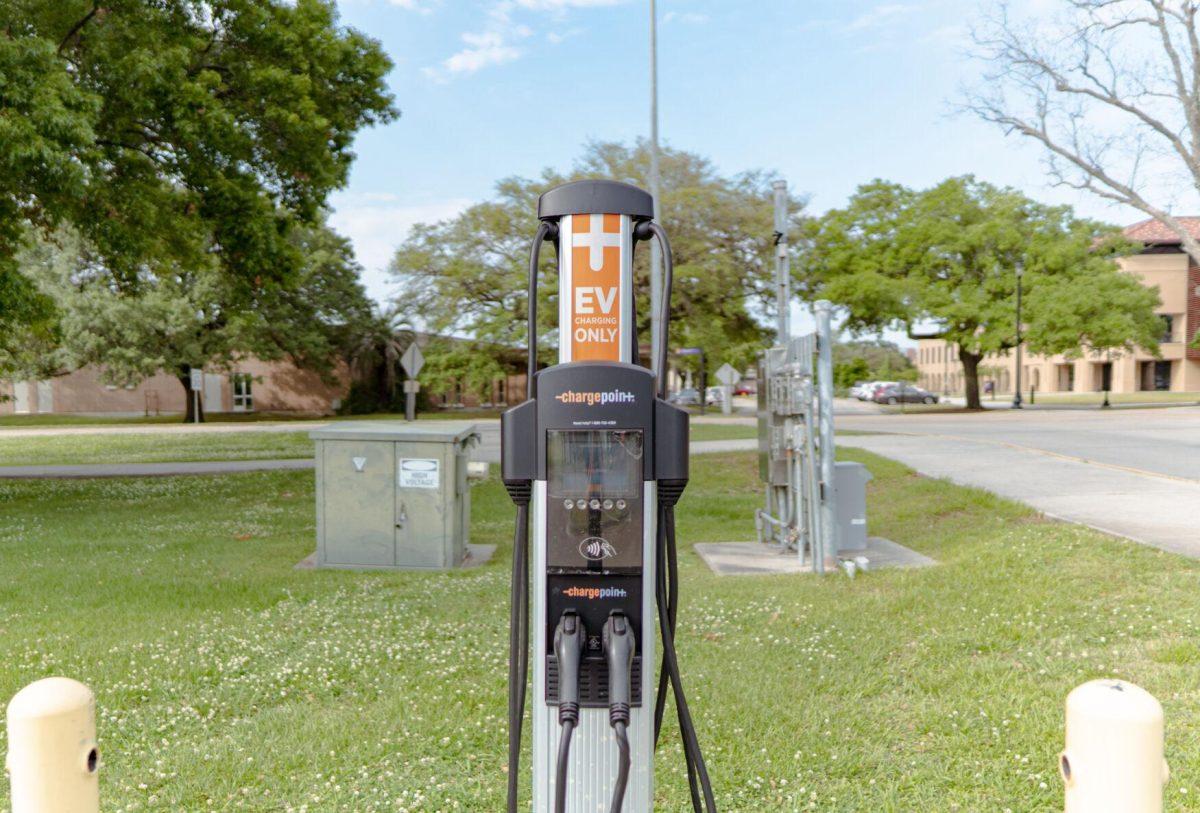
<point x="619" y="646"/>
<point x="569" y="637"/>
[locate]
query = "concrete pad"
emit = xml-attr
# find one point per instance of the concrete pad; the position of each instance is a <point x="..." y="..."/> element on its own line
<point x="754" y="559"/>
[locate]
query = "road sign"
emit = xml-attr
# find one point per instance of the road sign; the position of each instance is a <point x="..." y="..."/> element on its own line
<point x="728" y="375"/>
<point x="690" y="351"/>
<point x="412" y="361"/>
<point x="197" y="379"/>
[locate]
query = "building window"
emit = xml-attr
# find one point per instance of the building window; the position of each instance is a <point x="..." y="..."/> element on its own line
<point x="1156" y="375"/>
<point x="1168" y="322"/>
<point x="1066" y="378"/>
<point x="243" y="393"/>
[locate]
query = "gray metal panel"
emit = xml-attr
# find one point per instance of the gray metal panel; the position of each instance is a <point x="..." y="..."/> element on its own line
<point x="850" y="503"/>
<point x="424" y="535"/>
<point x="439" y="431"/>
<point x="357" y="507"/>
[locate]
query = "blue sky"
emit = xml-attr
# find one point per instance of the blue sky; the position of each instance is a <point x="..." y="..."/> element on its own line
<point x="830" y="93"/>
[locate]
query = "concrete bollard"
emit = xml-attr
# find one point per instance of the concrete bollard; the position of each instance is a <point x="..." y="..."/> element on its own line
<point x="52" y="757"/>
<point x="1113" y="761"/>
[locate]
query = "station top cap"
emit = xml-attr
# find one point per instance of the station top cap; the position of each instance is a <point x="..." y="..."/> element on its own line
<point x="595" y="198"/>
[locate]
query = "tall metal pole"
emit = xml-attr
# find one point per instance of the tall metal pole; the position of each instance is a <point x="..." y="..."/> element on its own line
<point x="828" y="527"/>
<point x="783" y="275"/>
<point x="656" y="280"/>
<point x="1017" y="393"/>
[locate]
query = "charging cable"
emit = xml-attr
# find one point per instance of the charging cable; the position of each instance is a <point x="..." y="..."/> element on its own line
<point x="568" y="648"/>
<point x="619" y="646"/>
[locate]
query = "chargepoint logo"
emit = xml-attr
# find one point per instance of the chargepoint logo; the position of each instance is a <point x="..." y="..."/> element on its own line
<point x="594" y="398"/>
<point x="596" y="549"/>
<point x="594" y="593"/>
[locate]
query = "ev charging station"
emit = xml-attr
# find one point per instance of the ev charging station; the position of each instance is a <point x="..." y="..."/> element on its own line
<point x="595" y="460"/>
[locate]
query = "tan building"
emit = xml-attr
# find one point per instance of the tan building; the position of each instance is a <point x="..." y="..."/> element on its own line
<point x="251" y="386"/>
<point x="1161" y="264"/>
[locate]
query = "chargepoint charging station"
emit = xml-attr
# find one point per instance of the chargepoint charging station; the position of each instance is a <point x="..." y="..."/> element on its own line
<point x="595" y="460"/>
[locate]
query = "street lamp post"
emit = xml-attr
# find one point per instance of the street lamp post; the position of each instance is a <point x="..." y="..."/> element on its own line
<point x="1017" y="392"/>
<point x="1106" y="378"/>
<point x="656" y="276"/>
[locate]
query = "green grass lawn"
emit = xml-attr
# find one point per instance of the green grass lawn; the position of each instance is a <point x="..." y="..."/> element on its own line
<point x="61" y="450"/>
<point x="52" y="450"/>
<point x="19" y="421"/>
<point x="722" y="431"/>
<point x="226" y="679"/>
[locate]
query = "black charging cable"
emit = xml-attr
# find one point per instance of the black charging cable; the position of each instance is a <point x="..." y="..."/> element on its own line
<point x="568" y="649"/>
<point x="699" y="783"/>
<point x="619" y="645"/>
<point x="644" y="231"/>
<point x="518" y="632"/>
<point x="518" y="644"/>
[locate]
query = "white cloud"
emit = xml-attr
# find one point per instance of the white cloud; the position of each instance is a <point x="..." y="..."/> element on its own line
<point x="881" y="15"/>
<point x="376" y="223"/>
<point x="488" y="48"/>
<point x="496" y="44"/>
<point x="560" y="5"/>
<point x="690" y="17"/>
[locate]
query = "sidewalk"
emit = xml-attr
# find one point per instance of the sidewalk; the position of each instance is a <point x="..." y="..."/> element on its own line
<point x="1155" y="508"/>
<point x="489" y="453"/>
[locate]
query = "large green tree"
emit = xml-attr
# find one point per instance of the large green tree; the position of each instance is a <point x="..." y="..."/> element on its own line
<point x="468" y="274"/>
<point x="176" y="137"/>
<point x="182" y="319"/>
<point x="905" y="259"/>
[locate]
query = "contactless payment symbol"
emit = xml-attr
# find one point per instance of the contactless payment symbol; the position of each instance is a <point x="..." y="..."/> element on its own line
<point x="596" y="549"/>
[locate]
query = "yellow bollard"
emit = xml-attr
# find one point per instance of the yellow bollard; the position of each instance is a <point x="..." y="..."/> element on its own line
<point x="52" y="756"/>
<point x="1113" y="761"/>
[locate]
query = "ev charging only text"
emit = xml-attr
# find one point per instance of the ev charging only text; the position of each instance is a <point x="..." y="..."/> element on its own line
<point x="593" y="311"/>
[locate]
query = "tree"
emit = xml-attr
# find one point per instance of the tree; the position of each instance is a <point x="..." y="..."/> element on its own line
<point x="177" y="137"/>
<point x="375" y="361"/>
<point x="880" y="361"/>
<point x="899" y="258"/>
<point x="467" y="275"/>
<point x="1111" y="90"/>
<point x="182" y="320"/>
<point x="849" y="372"/>
<point x="456" y="363"/>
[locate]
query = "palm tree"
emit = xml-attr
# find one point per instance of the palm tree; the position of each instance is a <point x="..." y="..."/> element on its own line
<point x="377" y="351"/>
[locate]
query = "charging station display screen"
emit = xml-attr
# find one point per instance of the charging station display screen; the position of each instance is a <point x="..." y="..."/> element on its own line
<point x="594" y="491"/>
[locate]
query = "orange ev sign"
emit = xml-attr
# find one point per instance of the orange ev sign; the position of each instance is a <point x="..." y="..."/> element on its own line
<point x="595" y="283"/>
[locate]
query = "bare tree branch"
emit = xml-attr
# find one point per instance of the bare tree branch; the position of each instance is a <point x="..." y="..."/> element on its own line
<point x="1138" y="58"/>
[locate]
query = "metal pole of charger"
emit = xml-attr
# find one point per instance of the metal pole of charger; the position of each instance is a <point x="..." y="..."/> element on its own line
<point x="828" y="527"/>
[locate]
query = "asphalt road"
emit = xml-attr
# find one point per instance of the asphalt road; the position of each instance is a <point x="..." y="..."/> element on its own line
<point x="1130" y="472"/>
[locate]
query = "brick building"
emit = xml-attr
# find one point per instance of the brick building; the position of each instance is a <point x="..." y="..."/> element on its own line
<point x="252" y="385"/>
<point x="1162" y="264"/>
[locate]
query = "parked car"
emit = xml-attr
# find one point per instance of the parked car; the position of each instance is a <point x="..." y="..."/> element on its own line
<point x="688" y="396"/>
<point x="714" y="396"/>
<point x="859" y="390"/>
<point x="870" y="388"/>
<point x="746" y="388"/>
<point x="904" y="394"/>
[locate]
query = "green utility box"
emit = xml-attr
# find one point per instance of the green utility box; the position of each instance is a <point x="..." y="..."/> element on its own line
<point x="393" y="495"/>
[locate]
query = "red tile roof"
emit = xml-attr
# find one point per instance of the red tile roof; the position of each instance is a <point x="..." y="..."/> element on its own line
<point x="1152" y="232"/>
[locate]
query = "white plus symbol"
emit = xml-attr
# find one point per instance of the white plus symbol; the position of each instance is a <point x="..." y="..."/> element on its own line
<point x="596" y="241"/>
